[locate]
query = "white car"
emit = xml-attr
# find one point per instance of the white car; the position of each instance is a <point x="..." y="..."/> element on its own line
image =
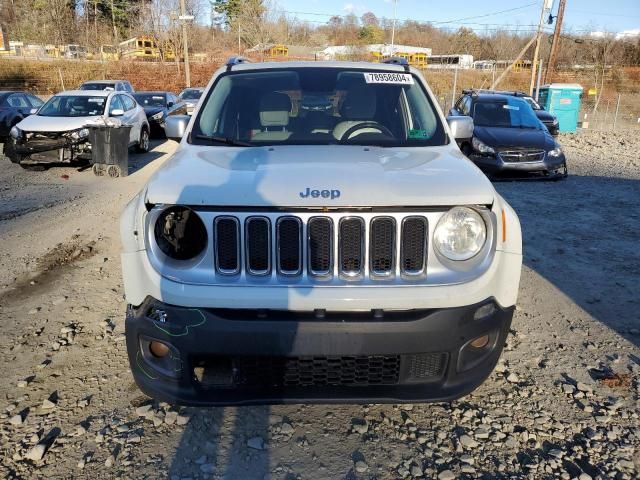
<point x="318" y="236"/>
<point x="58" y="133"/>
<point x="190" y="97"/>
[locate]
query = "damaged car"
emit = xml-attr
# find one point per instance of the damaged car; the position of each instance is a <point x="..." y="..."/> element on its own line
<point x="58" y="132"/>
<point x="14" y="106"/>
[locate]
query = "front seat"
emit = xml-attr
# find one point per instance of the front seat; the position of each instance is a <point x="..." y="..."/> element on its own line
<point x="274" y="118"/>
<point x="358" y="107"/>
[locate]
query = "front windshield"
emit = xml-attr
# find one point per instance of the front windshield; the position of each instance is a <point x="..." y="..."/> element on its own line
<point x="96" y="86"/>
<point x="73" y="106"/>
<point x="150" y="99"/>
<point x="509" y="112"/>
<point x="191" y="94"/>
<point x="319" y="106"/>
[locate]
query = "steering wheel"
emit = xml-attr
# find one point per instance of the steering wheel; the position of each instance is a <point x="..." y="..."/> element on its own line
<point x="362" y="126"/>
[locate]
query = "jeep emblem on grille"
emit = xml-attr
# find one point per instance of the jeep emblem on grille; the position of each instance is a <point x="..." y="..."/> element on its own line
<point x="320" y="193"/>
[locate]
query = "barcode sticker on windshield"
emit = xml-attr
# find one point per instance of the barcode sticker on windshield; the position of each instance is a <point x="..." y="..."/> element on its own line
<point x="393" y="78"/>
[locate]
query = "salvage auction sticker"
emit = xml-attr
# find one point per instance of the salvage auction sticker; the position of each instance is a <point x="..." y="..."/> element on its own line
<point x="393" y="78"/>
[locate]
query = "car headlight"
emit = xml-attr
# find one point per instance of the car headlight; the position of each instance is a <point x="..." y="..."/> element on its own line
<point x="15" y="132"/>
<point x="556" y="152"/>
<point x="79" y="134"/>
<point x="555" y="121"/>
<point x="180" y="233"/>
<point x="460" y="234"/>
<point x="481" y="147"/>
<point x="157" y="116"/>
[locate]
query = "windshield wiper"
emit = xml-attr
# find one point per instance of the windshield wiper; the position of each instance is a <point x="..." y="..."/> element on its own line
<point x="224" y="140"/>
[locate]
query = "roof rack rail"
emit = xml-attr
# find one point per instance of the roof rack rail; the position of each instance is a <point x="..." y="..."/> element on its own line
<point x="398" y="61"/>
<point x="236" y="60"/>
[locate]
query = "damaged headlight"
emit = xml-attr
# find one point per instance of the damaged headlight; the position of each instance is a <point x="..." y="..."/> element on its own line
<point x="15" y="132"/>
<point x="460" y="234"/>
<point x="80" y="134"/>
<point x="157" y="116"/>
<point x="180" y="233"/>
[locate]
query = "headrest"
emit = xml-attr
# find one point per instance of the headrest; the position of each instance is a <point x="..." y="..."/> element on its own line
<point x="274" y="110"/>
<point x="359" y="104"/>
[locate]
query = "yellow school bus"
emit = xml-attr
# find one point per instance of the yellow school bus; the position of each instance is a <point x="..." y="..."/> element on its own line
<point x="140" y="48"/>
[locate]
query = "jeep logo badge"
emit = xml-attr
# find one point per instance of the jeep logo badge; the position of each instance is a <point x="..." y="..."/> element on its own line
<point x="332" y="194"/>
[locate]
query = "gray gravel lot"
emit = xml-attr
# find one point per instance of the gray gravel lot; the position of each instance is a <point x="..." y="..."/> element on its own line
<point x="563" y="403"/>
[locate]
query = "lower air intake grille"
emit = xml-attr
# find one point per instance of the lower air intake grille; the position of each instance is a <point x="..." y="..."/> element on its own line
<point x="414" y="245"/>
<point x="427" y="365"/>
<point x="316" y="371"/>
<point x="320" y="245"/>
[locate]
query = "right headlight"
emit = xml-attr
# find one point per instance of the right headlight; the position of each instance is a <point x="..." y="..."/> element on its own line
<point x="180" y="233"/>
<point x="15" y="132"/>
<point x="481" y="147"/>
<point x="460" y="234"/>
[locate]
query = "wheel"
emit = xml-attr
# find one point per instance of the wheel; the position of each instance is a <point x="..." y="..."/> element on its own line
<point x="143" y="143"/>
<point x="113" y="171"/>
<point x="98" y="169"/>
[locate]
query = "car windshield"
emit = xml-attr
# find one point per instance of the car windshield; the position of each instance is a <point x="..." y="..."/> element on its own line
<point x="509" y="112"/>
<point x="191" y="94"/>
<point x="97" y="86"/>
<point x="319" y="106"/>
<point x="151" y="99"/>
<point x="73" y="106"/>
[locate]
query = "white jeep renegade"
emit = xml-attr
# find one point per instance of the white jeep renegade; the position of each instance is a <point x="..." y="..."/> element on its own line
<point x="317" y="237"/>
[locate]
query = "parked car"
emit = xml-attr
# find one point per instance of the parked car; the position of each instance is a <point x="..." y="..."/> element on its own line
<point x="117" y="85"/>
<point x="14" y="106"/>
<point x="157" y="105"/>
<point x="342" y="254"/>
<point x="190" y="97"/>
<point x="58" y="133"/>
<point x="508" y="138"/>
<point x="548" y="119"/>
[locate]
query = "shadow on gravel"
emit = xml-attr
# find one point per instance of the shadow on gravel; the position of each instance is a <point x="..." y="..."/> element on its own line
<point x="581" y="234"/>
<point x="137" y="161"/>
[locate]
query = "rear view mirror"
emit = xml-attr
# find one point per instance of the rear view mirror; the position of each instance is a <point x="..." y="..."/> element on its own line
<point x="118" y="112"/>
<point x="175" y="126"/>
<point x="461" y="127"/>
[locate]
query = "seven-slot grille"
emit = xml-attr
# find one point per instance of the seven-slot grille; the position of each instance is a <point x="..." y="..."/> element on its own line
<point x="321" y="246"/>
<point x="519" y="156"/>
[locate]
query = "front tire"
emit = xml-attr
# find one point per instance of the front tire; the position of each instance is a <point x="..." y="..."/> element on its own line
<point x="9" y="151"/>
<point x="143" y="143"/>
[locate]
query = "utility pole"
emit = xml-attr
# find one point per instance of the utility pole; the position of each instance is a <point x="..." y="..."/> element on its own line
<point x="551" y="63"/>
<point x="534" y="63"/>
<point x="393" y="26"/>
<point x="185" y="40"/>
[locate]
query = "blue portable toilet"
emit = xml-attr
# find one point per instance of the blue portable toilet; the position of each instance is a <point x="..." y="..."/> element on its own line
<point x="563" y="100"/>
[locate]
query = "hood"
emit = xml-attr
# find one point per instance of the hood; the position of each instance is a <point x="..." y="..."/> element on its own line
<point x="501" y="137"/>
<point x="319" y="176"/>
<point x="37" y="123"/>
<point x="544" y="116"/>
<point x="153" y="110"/>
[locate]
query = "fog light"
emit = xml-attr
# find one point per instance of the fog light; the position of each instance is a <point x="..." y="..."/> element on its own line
<point x="480" y="342"/>
<point x="484" y="311"/>
<point x="158" y="349"/>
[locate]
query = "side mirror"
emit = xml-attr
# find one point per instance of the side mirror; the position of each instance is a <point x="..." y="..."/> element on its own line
<point x="175" y="126"/>
<point x="453" y="112"/>
<point x="461" y="127"/>
<point x="169" y="104"/>
<point x="118" y="112"/>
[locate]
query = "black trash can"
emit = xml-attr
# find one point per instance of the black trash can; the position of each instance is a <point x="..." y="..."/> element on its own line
<point x="109" y="149"/>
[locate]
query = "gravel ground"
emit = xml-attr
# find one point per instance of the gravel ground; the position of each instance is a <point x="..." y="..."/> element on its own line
<point x="563" y="403"/>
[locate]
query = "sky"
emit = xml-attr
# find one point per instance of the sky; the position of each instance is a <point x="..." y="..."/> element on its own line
<point x="614" y="16"/>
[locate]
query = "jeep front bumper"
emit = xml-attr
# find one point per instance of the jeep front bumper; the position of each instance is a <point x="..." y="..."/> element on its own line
<point x="237" y="357"/>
